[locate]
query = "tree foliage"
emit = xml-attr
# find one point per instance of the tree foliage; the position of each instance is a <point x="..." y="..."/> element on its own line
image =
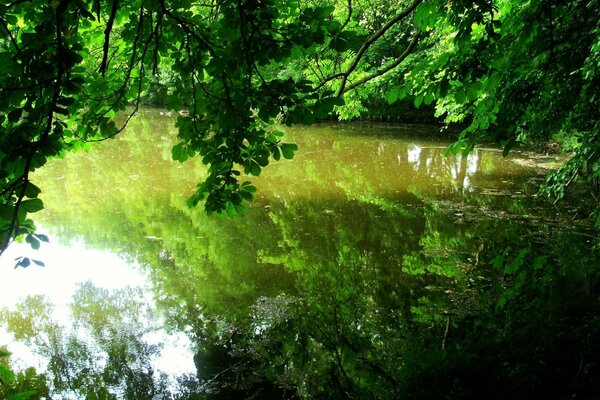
<point x="526" y="72"/>
<point x="515" y="70"/>
<point x="22" y="385"/>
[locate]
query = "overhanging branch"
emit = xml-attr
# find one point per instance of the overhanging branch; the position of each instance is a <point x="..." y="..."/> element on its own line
<point x="57" y="89"/>
<point x="107" y="30"/>
<point x="372" y="39"/>
<point x="185" y="26"/>
<point x="349" y="16"/>
<point x="387" y="68"/>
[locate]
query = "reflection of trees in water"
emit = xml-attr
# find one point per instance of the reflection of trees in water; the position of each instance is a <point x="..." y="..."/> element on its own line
<point x="431" y="162"/>
<point x="325" y="288"/>
<point x="101" y="352"/>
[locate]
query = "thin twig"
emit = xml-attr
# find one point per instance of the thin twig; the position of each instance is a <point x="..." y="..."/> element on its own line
<point x="185" y="26"/>
<point x="12" y="39"/>
<point x="349" y="16"/>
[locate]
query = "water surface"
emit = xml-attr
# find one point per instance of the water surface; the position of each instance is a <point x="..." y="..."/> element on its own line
<point x="367" y="236"/>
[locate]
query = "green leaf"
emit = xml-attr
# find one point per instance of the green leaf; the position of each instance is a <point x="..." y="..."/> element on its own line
<point x="6" y="375"/>
<point x="276" y="154"/>
<point x="86" y="13"/>
<point x="32" y="191"/>
<point x="443" y="88"/>
<point x="288" y="150"/>
<point x="179" y="152"/>
<point x="267" y="111"/>
<point x="418" y="100"/>
<point x="262" y="158"/>
<point x="231" y="210"/>
<point x="108" y="129"/>
<point x="323" y="107"/>
<point x="323" y="12"/>
<point x="22" y="395"/>
<point x="336" y="101"/>
<point x="193" y="200"/>
<point x="24" y="262"/>
<point x="248" y="187"/>
<point x="6" y="212"/>
<point x="246" y="195"/>
<point x="473" y="90"/>
<point x="392" y="96"/>
<point x="33" y="242"/>
<point x="460" y="96"/>
<point x="74" y="57"/>
<point x="424" y="16"/>
<point x="254" y="169"/>
<point x="517" y="262"/>
<point x="455" y="147"/>
<point x="296" y="51"/>
<point x="66" y="101"/>
<point x="41" y="237"/>
<point x="428" y="99"/>
<point x="469" y="146"/>
<point x="539" y="262"/>
<point x="32" y="205"/>
<point x="300" y="114"/>
<point x="501" y="302"/>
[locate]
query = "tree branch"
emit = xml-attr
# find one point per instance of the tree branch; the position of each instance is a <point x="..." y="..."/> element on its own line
<point x="107" y="30"/>
<point x="184" y="26"/>
<point x="387" y="68"/>
<point x="372" y="39"/>
<point x="140" y="79"/>
<point x="348" y="16"/>
<point x="12" y="39"/>
<point x="329" y="78"/>
<point x="47" y="129"/>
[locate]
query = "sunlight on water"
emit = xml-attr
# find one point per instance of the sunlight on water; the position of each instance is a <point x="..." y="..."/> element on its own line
<point x="66" y="268"/>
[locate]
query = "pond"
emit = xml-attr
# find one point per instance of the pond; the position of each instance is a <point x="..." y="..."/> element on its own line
<point x="368" y="237"/>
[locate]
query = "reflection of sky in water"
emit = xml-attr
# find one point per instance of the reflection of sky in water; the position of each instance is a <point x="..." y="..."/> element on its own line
<point x="414" y="155"/>
<point x="472" y="163"/>
<point x="66" y="268"/>
<point x="455" y="169"/>
<point x="458" y="165"/>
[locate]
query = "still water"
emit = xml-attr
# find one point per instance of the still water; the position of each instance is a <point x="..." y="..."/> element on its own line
<point x="368" y="235"/>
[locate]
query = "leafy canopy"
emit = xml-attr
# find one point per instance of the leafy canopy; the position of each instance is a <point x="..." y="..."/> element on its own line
<point x="239" y="67"/>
